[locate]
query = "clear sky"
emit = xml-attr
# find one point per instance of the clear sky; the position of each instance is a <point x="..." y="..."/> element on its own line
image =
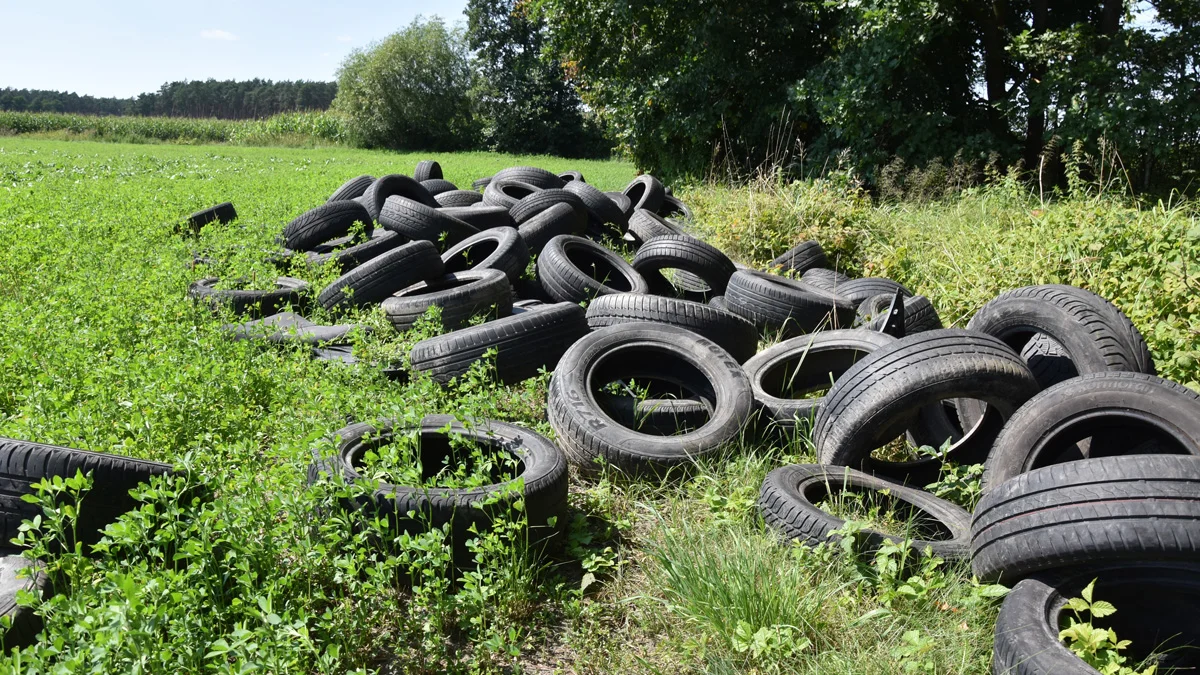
<point x="124" y="48"/>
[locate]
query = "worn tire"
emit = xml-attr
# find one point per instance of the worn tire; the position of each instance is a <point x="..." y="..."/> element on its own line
<point x="802" y="257"/>
<point x="351" y="189"/>
<point x="1106" y="510"/>
<point x="350" y="257"/>
<point x="775" y="303"/>
<point x="646" y="192"/>
<point x="461" y="295"/>
<point x="507" y="193"/>
<point x="24" y="622"/>
<point x="23" y="463"/>
<point x="1122" y="412"/>
<point x="660" y="351"/>
<point x="538" y="202"/>
<point x="790" y="494"/>
<point x="373" y="281"/>
<point x="645" y="225"/>
<point x="1048" y="361"/>
<point x="394" y="185"/>
<point x="524" y="342"/>
<point x="824" y="279"/>
<point x="601" y="209"/>
<point x="568" y="176"/>
<point x="1157" y="610"/>
<point x="622" y="202"/>
<point x="733" y="333"/>
<point x="254" y="304"/>
<point x="458" y="198"/>
<point x="437" y="186"/>
<point x="876" y="399"/>
<point x="480" y="216"/>
<point x="858" y="290"/>
<point x="781" y="376"/>
<point x="427" y="169"/>
<point x="326" y="222"/>
<point x="417" y="221"/>
<point x="672" y="206"/>
<point x="222" y="214"/>
<point x="501" y="248"/>
<point x="532" y="175"/>
<point x="561" y="269"/>
<point x="541" y="486"/>
<point x="681" y="252"/>
<point x="558" y="219"/>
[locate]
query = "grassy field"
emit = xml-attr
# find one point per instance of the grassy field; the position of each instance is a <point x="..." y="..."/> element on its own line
<point x="103" y="351"/>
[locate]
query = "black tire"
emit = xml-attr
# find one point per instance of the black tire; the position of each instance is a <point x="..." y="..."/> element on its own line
<point x="427" y="169"/>
<point x="672" y="206"/>
<point x="541" y="485"/>
<point x="326" y="222"/>
<point x="221" y="214"/>
<point x="437" y="186"/>
<point x="416" y="221"/>
<point x="790" y="494"/>
<point x="24" y="622"/>
<point x="858" y="290"/>
<point x="802" y="257"/>
<point x="1081" y="321"/>
<point x="537" y="202"/>
<point x="874" y="402"/>
<point x="525" y="343"/>
<point x="784" y="376"/>
<point x="526" y="305"/>
<point x="646" y="225"/>
<point x="824" y="279"/>
<point x="373" y="281"/>
<point x="481" y="183"/>
<point x="919" y="313"/>
<point x="602" y="211"/>
<point x="23" y="463"/>
<point x="458" y="198"/>
<point x="657" y="351"/>
<point x="480" y="216"/>
<point x="289" y="327"/>
<point x="507" y="193"/>
<point x="1048" y="361"/>
<point x="1106" y="510"/>
<point x="461" y="295"/>
<point x="1156" y="605"/>
<point x="558" y="219"/>
<point x="254" y="304"/>
<point x="394" y="185"/>
<point x="733" y="333"/>
<point x="1122" y="413"/>
<point x="775" y="303"/>
<point x="646" y="192"/>
<point x="574" y="269"/>
<point x="568" y="176"/>
<point x="681" y="252"/>
<point x="351" y="189"/>
<point x="496" y="249"/>
<point x="532" y="175"/>
<point x="348" y="258"/>
<point x="622" y="202"/>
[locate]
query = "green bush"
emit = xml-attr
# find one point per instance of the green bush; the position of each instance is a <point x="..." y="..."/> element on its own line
<point x="285" y="128"/>
<point x="410" y="90"/>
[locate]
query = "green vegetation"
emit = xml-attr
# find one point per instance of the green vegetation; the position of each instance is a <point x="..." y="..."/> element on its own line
<point x="227" y="99"/>
<point x="103" y="351"/>
<point x="283" y="129"/>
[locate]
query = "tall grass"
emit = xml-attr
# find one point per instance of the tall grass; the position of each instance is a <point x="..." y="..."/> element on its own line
<point x="284" y="129"/>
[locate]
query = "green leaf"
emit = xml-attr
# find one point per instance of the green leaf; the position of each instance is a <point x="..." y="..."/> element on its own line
<point x="1102" y="608"/>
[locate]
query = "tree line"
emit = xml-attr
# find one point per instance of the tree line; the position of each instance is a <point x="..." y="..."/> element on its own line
<point x="227" y="99"/>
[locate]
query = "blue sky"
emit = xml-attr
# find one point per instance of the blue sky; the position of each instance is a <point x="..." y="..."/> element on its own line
<point x="125" y="48"/>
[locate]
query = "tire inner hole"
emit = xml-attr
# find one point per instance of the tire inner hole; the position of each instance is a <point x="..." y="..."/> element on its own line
<point x="471" y="256"/>
<point x="436" y="459"/>
<point x="598" y="268"/>
<point x="881" y="512"/>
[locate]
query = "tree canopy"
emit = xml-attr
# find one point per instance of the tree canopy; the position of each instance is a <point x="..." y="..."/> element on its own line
<point x="226" y="99"/>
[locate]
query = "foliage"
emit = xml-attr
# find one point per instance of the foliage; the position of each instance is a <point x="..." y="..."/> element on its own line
<point x="1098" y="647"/>
<point x="410" y="90"/>
<point x="283" y="129"/>
<point x="683" y="83"/>
<point x="525" y="101"/>
<point x="228" y="99"/>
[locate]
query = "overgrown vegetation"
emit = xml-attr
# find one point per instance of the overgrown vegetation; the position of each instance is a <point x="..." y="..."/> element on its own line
<point x="283" y="129"/>
<point x="237" y="565"/>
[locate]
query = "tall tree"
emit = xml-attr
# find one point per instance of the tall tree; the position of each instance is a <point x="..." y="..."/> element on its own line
<point x="524" y="98"/>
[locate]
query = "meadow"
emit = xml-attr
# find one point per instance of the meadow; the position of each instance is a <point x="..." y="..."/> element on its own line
<point x="102" y="350"/>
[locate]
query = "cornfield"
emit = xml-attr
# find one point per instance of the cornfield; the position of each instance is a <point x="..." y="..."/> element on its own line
<point x="324" y="127"/>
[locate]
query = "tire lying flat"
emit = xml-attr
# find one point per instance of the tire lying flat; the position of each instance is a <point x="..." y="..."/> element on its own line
<point x="376" y="279"/>
<point x="775" y="303"/>
<point x="460" y="295"/>
<point x="790" y="494"/>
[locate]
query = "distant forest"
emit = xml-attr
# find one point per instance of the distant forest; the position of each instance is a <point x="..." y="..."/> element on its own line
<point x="227" y="99"/>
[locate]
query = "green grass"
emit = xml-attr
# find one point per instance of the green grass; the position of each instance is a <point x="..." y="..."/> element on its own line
<point x="103" y="351"/>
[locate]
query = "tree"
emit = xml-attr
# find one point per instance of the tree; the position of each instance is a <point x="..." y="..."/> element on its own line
<point x="525" y="101"/>
<point x="409" y="91"/>
<point x="684" y="82"/>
